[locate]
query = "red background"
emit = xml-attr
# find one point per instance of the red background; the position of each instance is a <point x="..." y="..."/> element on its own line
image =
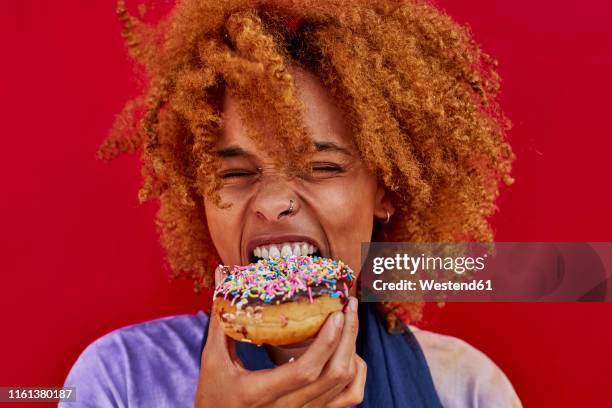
<point x="81" y="256"/>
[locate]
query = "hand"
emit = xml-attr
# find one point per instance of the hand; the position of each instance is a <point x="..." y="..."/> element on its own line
<point x="328" y="374"/>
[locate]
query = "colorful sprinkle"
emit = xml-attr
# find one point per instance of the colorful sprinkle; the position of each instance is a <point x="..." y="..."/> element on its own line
<point x="280" y="279"/>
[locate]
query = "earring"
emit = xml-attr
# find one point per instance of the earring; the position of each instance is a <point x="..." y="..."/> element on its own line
<point x="388" y="217"/>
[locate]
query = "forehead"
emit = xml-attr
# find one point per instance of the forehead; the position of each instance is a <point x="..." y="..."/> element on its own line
<point x="321" y="115"/>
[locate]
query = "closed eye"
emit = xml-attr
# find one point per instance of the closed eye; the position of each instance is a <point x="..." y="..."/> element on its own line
<point x="327" y="167"/>
<point x="231" y="174"/>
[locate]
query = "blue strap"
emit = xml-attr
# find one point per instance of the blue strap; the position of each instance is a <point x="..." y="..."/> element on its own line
<point x="398" y="374"/>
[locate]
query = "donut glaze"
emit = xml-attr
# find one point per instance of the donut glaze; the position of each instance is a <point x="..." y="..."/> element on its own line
<point x="281" y="301"/>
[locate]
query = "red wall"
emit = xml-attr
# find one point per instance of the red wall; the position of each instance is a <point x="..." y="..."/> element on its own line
<point x="81" y="256"/>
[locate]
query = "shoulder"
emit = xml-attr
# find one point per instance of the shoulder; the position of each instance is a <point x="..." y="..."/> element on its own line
<point x="107" y="371"/>
<point x="463" y="375"/>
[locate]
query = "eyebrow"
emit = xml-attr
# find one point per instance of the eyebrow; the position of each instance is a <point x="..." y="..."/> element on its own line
<point x="235" y="151"/>
<point x="330" y="146"/>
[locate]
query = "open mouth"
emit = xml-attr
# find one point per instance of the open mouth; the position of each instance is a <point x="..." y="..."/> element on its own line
<point x="283" y="249"/>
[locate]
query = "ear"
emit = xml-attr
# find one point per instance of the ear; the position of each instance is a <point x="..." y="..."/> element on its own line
<point x="382" y="203"/>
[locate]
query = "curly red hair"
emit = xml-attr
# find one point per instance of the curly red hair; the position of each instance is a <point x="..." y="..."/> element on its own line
<point x="418" y="92"/>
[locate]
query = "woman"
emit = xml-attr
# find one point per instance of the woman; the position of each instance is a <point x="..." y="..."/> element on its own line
<point x="286" y="124"/>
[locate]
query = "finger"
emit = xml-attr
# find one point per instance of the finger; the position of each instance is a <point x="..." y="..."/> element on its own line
<point x="323" y="347"/>
<point x="338" y="371"/>
<point x="346" y="346"/>
<point x="353" y="394"/>
<point x="306" y="369"/>
<point x="339" y="383"/>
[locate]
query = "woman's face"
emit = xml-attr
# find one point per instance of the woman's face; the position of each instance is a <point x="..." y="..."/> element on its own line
<point x="333" y="209"/>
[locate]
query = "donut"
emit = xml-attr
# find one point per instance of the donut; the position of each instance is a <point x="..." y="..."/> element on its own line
<point x="280" y="301"/>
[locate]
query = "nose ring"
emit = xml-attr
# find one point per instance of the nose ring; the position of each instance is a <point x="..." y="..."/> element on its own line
<point x="290" y="206"/>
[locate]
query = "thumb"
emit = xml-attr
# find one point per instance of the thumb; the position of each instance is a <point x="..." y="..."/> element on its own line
<point x="219" y="346"/>
<point x="222" y="346"/>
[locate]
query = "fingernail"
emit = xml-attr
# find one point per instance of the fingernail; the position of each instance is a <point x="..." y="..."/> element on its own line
<point x="353" y="304"/>
<point x="338" y="319"/>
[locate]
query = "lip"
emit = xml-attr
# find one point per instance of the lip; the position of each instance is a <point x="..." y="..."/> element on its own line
<point x="277" y="239"/>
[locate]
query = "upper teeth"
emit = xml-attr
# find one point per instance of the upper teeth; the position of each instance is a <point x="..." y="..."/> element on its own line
<point x="284" y="249"/>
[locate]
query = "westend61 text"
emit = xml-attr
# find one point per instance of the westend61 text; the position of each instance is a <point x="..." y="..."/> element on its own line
<point x="430" y="284"/>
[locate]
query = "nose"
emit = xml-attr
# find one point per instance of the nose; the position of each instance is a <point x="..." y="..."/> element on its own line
<point x="275" y="199"/>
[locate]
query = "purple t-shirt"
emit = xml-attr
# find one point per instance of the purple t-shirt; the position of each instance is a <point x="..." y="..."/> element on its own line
<point x="151" y="364"/>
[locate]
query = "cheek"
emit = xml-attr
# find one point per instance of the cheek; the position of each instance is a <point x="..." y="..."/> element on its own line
<point x="349" y="207"/>
<point x="346" y="210"/>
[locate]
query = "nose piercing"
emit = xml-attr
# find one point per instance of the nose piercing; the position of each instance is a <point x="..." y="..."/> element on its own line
<point x="290" y="206"/>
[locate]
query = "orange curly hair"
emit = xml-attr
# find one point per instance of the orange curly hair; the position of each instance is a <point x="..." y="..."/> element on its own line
<point x="418" y="92"/>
